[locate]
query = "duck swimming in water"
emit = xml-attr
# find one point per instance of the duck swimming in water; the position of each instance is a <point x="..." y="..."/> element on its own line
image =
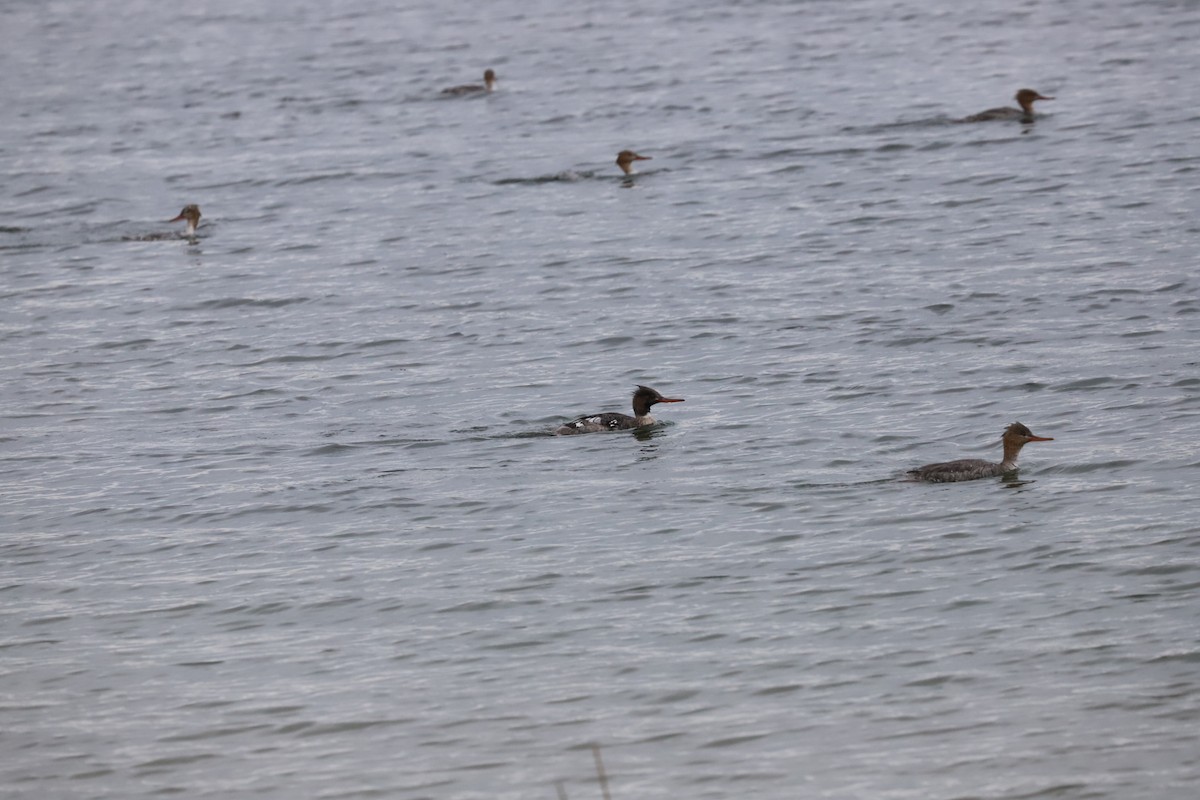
<point x="1025" y="99"/>
<point x="643" y="398"/>
<point x="489" y="85"/>
<point x="625" y="160"/>
<point x="191" y="213"/>
<point x="1015" y="437"/>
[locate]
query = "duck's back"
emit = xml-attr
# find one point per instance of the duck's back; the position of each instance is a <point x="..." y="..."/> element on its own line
<point x="608" y="421"/>
<point x="964" y="469"/>
<point x="996" y="113"/>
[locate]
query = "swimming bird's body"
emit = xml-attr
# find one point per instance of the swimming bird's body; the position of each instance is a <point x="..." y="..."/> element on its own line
<point x="643" y="399"/>
<point x="489" y="85"/>
<point x="1015" y="437"/>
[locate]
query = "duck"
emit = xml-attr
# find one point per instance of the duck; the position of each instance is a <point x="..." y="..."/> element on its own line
<point x="643" y="398"/>
<point x="489" y="85"/>
<point x="1014" y="438"/>
<point x="1025" y="99"/>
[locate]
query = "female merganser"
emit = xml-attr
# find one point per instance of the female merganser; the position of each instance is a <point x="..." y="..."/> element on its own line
<point x="191" y="213"/>
<point x="625" y="160"/>
<point x="643" y="398"/>
<point x="1015" y="437"/>
<point x="1024" y="98"/>
<point x="489" y="85"/>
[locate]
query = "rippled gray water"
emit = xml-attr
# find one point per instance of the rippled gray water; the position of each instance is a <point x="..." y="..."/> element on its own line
<point x="281" y="514"/>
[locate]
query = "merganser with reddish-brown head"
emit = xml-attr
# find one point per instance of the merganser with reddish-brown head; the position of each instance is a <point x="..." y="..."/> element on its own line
<point x="1025" y="99"/>
<point x="489" y="85"/>
<point x="191" y="213"/>
<point x="1015" y="437"/>
<point x="625" y="160"/>
<point x="643" y="398"/>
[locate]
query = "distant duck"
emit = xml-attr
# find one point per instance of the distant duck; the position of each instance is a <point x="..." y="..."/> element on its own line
<point x="489" y="85"/>
<point x="1015" y="437"/>
<point x="625" y="160"/>
<point x="1025" y="99"/>
<point x="191" y="213"/>
<point x="643" y="398"/>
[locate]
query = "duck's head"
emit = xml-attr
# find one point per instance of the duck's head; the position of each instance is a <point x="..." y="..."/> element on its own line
<point x="644" y="397"/>
<point x="625" y="160"/>
<point x="190" y="213"/>
<point x="489" y="79"/>
<point x="1025" y="98"/>
<point x="1019" y="434"/>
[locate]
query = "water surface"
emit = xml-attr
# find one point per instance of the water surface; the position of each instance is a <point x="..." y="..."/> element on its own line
<point x="281" y="514"/>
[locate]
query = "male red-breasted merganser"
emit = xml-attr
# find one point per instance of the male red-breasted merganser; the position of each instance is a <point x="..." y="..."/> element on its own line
<point x="625" y="160"/>
<point x="1015" y="437"/>
<point x="643" y="398"/>
<point x="489" y="85"/>
<point x="191" y="213"/>
<point x="1024" y="98"/>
